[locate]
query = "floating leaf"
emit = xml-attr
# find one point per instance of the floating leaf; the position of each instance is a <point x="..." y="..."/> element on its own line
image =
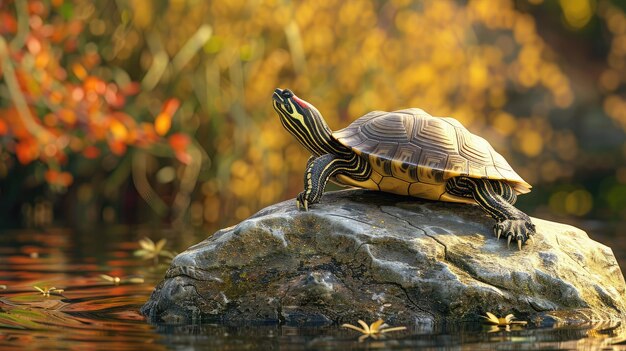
<point x="150" y="250"/>
<point x="501" y="322"/>
<point x="47" y="291"/>
<point x="114" y="280"/>
<point x="374" y="330"/>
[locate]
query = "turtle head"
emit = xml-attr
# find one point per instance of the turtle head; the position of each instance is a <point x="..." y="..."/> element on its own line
<point x="302" y="120"/>
<point x="292" y="109"/>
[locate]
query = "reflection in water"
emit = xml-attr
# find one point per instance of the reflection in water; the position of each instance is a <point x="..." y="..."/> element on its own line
<point x="90" y="312"/>
<point x="96" y="311"/>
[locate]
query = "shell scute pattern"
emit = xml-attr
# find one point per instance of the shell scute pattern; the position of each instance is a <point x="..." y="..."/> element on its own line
<point x="407" y="155"/>
<point x="456" y="166"/>
<point x="432" y="165"/>
<point x="473" y="147"/>
<point x="413" y="153"/>
<point x="435" y="134"/>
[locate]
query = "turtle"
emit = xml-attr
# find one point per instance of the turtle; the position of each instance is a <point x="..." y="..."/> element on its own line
<point x="407" y="152"/>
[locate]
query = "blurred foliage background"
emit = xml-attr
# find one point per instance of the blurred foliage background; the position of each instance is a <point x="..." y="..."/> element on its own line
<point x="142" y="110"/>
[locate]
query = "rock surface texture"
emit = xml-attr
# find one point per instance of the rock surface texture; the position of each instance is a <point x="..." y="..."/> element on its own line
<point x="368" y="255"/>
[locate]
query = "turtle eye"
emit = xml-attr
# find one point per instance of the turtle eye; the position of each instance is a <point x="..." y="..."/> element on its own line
<point x="287" y="93"/>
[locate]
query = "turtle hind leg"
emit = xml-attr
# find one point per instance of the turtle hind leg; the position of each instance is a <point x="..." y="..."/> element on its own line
<point x="504" y="189"/>
<point x="497" y="199"/>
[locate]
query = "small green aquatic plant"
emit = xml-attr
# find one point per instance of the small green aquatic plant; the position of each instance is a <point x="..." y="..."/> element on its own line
<point x="151" y="250"/>
<point x="118" y="280"/>
<point x="48" y="291"/>
<point x="502" y="322"/>
<point x="374" y="330"/>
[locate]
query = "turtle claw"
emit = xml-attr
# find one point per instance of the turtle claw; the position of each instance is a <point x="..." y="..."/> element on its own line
<point x="498" y="230"/>
<point x="519" y="229"/>
<point x="302" y="202"/>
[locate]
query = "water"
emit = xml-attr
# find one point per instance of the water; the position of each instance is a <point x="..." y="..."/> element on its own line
<point x="95" y="313"/>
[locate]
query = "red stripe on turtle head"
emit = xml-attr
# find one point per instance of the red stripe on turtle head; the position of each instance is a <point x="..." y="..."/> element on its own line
<point x="302" y="103"/>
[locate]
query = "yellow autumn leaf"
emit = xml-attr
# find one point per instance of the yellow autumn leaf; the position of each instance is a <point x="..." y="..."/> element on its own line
<point x="162" y="123"/>
<point x="118" y="130"/>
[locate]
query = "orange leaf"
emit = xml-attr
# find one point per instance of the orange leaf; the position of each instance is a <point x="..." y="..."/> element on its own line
<point x="91" y="152"/>
<point x="65" y="179"/>
<point x="51" y="176"/>
<point x="117" y="147"/>
<point x="171" y="106"/>
<point x="50" y="120"/>
<point x="42" y="60"/>
<point x="55" y="177"/>
<point x="162" y="123"/>
<point x="132" y="88"/>
<point x="95" y="84"/>
<point x="8" y="23"/>
<point x="79" y="71"/>
<point x="56" y="97"/>
<point x="4" y="129"/>
<point x="118" y="130"/>
<point x="113" y="96"/>
<point x="33" y="44"/>
<point x="26" y="151"/>
<point x="68" y="116"/>
<point x="179" y="142"/>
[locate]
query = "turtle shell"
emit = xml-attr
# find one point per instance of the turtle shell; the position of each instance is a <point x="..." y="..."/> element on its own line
<point x="414" y="153"/>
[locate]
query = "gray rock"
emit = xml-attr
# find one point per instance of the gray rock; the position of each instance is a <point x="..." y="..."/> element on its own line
<point x="368" y="255"/>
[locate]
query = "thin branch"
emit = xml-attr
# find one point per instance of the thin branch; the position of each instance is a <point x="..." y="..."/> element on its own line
<point x="160" y="61"/>
<point x="294" y="40"/>
<point x="145" y="190"/>
<point x="18" y="98"/>
<point x="22" y="24"/>
<point x="191" y="47"/>
<point x="188" y="183"/>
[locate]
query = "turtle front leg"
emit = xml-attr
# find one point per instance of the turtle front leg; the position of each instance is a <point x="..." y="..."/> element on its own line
<point x="316" y="176"/>
<point x="320" y="169"/>
<point x="497" y="199"/>
<point x="301" y="199"/>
